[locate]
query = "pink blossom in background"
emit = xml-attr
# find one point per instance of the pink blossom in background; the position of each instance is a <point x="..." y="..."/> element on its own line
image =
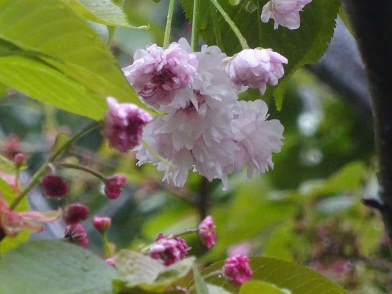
<point x="237" y="269"/>
<point x="284" y="12"/>
<point x="123" y="124"/>
<point x="110" y="261"/>
<point x="76" y="234"/>
<point x="239" y="249"/>
<point x="206" y="231"/>
<point x="255" y="68"/>
<point x="157" y="73"/>
<point x="114" y="185"/>
<point x="168" y="250"/>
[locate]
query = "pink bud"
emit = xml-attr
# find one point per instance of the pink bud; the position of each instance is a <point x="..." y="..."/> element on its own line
<point x="123" y="124"/>
<point x="207" y="232"/>
<point x="168" y="250"/>
<point x="76" y="234"/>
<point x="114" y="185"/>
<point x="110" y="261"/>
<point x="19" y="160"/>
<point x="102" y="223"/>
<point x="54" y="186"/>
<point x="75" y="213"/>
<point x="237" y="269"/>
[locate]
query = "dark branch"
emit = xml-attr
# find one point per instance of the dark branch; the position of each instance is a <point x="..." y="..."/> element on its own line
<point x="372" y="25"/>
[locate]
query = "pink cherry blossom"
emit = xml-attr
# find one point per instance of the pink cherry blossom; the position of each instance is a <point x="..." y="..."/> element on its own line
<point x="237" y="269"/>
<point x="206" y="230"/>
<point x="12" y="223"/>
<point x="74" y="213"/>
<point x="256" y="136"/>
<point x="123" y="124"/>
<point x="54" y="186"/>
<point x="102" y="223"/>
<point x="168" y="250"/>
<point x="156" y="73"/>
<point x="284" y="12"/>
<point x="76" y="234"/>
<point x="255" y="68"/>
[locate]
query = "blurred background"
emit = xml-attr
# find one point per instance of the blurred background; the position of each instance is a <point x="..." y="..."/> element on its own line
<point x="307" y="209"/>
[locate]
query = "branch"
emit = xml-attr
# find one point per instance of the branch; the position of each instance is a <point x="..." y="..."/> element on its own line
<point x="372" y="25"/>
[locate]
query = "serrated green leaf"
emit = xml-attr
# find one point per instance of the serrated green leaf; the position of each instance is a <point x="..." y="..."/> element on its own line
<point x="48" y="85"/>
<point x="253" y="287"/>
<point x="285" y="275"/>
<point x="8" y="195"/>
<point x="100" y="11"/>
<point x="302" y="46"/>
<point x="69" y="45"/>
<point x="48" y="267"/>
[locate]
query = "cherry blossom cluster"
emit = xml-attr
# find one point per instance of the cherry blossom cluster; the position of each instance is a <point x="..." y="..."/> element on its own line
<point x="206" y="128"/>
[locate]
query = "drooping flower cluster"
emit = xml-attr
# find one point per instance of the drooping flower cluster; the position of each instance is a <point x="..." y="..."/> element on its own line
<point x="284" y="12"/>
<point x="114" y="185"/>
<point x="206" y="128"/>
<point x="168" y="250"/>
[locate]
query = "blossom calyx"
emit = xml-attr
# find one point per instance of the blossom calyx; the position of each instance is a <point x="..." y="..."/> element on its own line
<point x="75" y="213"/>
<point x="54" y="186"/>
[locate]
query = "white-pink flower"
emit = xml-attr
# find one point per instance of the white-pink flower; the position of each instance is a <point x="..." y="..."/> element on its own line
<point x="157" y="73"/>
<point x="284" y="12"/>
<point x="256" y="136"/>
<point x="255" y="68"/>
<point x="123" y="124"/>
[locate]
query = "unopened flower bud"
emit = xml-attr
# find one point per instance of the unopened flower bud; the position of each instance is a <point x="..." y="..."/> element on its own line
<point x="54" y="186"/>
<point x="19" y="160"/>
<point x="168" y="250"/>
<point x="207" y="232"/>
<point x="123" y="125"/>
<point x="114" y="185"/>
<point x="102" y="223"/>
<point x="237" y="269"/>
<point x="76" y="234"/>
<point x="75" y="213"/>
<point x="110" y="261"/>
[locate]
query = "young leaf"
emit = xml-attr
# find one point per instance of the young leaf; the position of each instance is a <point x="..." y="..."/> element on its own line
<point x="43" y="82"/>
<point x="70" y="46"/>
<point x="48" y="267"/>
<point x="302" y="46"/>
<point x="100" y="11"/>
<point x="200" y="284"/>
<point x="252" y="287"/>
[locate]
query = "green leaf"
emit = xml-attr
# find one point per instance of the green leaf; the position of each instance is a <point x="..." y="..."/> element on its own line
<point x="200" y="284"/>
<point x="48" y="266"/>
<point x="71" y="47"/>
<point x="285" y="275"/>
<point x="8" y="195"/>
<point x="100" y="11"/>
<point x="302" y="46"/>
<point x="48" y="85"/>
<point x="252" y="287"/>
<point x="141" y="273"/>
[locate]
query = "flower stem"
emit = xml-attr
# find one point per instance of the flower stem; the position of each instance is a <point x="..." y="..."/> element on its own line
<point x="195" y="25"/>
<point x="37" y="176"/>
<point x="232" y="25"/>
<point x="106" y="247"/>
<point x="170" y="11"/>
<point x="83" y="168"/>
